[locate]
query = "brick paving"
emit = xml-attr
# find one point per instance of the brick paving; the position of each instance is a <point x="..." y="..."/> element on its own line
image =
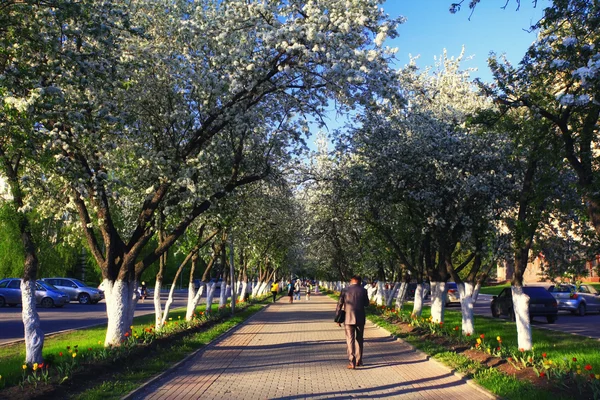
<point x="296" y="351"/>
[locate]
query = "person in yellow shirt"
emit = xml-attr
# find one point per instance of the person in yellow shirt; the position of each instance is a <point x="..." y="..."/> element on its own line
<point x="274" y="290"/>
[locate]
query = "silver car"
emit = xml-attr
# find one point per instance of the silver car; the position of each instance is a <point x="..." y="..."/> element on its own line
<point x="569" y="298"/>
<point x="452" y="295"/>
<point x="77" y="290"/>
<point x="45" y="295"/>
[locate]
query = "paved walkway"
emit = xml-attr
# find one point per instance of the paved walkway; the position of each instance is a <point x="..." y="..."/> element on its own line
<point x="296" y="351"/>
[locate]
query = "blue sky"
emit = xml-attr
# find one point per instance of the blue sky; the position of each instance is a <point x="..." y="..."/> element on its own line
<point x="430" y="28"/>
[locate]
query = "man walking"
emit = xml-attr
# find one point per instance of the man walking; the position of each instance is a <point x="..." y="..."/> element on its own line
<point x="353" y="300"/>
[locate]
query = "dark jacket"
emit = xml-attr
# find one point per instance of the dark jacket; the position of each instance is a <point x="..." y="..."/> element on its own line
<point x="353" y="300"/>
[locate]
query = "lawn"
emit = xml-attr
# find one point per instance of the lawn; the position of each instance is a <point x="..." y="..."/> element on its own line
<point x="91" y="340"/>
<point x="560" y="348"/>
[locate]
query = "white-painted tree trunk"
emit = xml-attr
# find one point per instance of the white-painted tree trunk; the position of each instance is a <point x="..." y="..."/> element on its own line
<point x="256" y="288"/>
<point x="401" y="296"/>
<point x="466" y="292"/>
<point x="170" y="301"/>
<point x="263" y="288"/>
<point x="371" y="291"/>
<point x="418" y="300"/>
<point x="476" y="292"/>
<point x="438" y="301"/>
<point x="243" y="291"/>
<point x="390" y="294"/>
<point x="121" y="299"/>
<point x="521" y="310"/>
<point x="34" y="336"/>
<point x="210" y="293"/>
<point x="193" y="300"/>
<point x="379" y="295"/>
<point x="158" y="320"/>
<point x="223" y="294"/>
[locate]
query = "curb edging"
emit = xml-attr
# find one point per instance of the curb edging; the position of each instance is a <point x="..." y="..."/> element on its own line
<point x="468" y="381"/>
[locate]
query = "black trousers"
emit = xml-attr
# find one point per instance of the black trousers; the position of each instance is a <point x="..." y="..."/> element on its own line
<point x="274" y="296"/>
<point x="355" y="337"/>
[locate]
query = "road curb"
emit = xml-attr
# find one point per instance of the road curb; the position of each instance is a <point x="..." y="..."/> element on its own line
<point x="453" y="371"/>
<point x="191" y="355"/>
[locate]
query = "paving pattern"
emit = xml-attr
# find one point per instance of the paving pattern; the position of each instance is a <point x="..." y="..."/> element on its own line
<point x="296" y="351"/>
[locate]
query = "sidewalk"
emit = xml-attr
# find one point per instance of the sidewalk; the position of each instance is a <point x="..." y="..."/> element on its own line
<point x="296" y="351"/>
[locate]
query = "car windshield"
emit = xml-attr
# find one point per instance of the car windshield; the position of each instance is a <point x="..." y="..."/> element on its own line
<point x="588" y="289"/>
<point x="46" y="285"/>
<point x="79" y="283"/>
<point x="536" y="291"/>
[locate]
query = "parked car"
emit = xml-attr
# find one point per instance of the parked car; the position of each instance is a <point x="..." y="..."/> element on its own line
<point x="580" y="301"/>
<point x="45" y="295"/>
<point x="452" y="295"/>
<point x="77" y="290"/>
<point x="412" y="288"/>
<point x="541" y="304"/>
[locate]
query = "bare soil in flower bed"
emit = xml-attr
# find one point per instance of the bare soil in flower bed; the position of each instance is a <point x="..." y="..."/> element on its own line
<point x="92" y="373"/>
<point x="486" y="360"/>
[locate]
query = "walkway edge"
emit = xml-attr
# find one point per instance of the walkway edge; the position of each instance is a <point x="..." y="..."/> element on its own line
<point x="459" y="375"/>
<point x="189" y="356"/>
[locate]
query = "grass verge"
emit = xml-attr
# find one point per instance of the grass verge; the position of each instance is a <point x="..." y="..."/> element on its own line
<point x="130" y="371"/>
<point x="559" y="347"/>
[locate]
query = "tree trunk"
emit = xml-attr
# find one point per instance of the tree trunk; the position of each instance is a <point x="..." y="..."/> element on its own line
<point x="158" y="315"/>
<point x="193" y="299"/>
<point x="34" y="336"/>
<point x="121" y="299"/>
<point x="438" y="301"/>
<point x="521" y="312"/>
<point x="467" y="301"/>
<point x="418" y="304"/>
<point x="401" y="296"/>
<point x="390" y="295"/>
<point x="210" y="292"/>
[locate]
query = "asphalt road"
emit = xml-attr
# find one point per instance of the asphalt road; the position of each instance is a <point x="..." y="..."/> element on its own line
<point x="73" y="316"/>
<point x="567" y="322"/>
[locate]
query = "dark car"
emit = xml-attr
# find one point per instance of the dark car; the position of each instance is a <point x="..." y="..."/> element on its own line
<point x="412" y="288"/>
<point x="541" y="304"/>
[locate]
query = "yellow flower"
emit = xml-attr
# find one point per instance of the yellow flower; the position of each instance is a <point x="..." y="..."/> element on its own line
<point x="170" y="319"/>
<point x="99" y="341"/>
<point x="597" y="376"/>
<point x="550" y="362"/>
<point x="478" y="340"/>
<point x="24" y="366"/>
<point x="74" y="355"/>
<point x="499" y="339"/>
<point x="35" y="366"/>
<point x="131" y="327"/>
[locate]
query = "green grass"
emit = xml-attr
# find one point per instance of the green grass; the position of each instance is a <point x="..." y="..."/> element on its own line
<point x="559" y="347"/>
<point x="163" y="358"/>
<point x="493" y="380"/>
<point x="493" y="290"/>
<point x="12" y="356"/>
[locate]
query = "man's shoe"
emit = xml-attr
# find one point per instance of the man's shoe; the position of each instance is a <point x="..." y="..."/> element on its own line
<point x="351" y="366"/>
<point x="360" y="364"/>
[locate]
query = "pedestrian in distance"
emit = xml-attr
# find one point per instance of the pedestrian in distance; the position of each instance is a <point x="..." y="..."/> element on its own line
<point x="297" y="290"/>
<point x="308" y="290"/>
<point x="143" y="292"/>
<point x="274" y="290"/>
<point x="353" y="300"/>
<point x="290" y="291"/>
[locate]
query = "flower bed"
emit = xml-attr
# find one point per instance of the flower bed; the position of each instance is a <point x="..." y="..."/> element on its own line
<point x="74" y="369"/>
